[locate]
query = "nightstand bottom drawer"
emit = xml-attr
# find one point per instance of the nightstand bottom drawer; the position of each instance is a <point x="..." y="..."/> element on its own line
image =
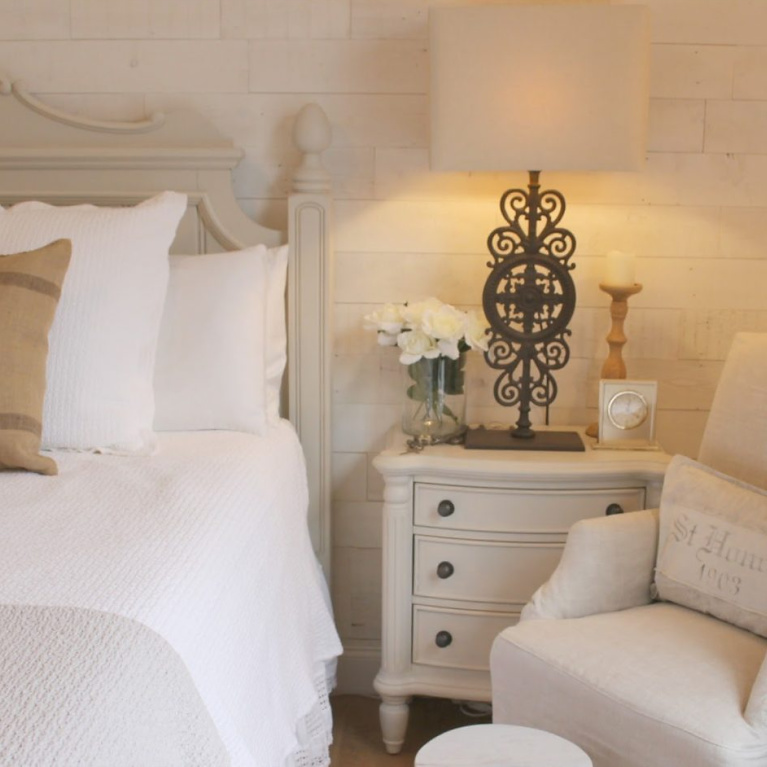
<point x="456" y="638"/>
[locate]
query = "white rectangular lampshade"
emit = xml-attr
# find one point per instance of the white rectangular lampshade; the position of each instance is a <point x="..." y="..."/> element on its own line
<point x="539" y="87"/>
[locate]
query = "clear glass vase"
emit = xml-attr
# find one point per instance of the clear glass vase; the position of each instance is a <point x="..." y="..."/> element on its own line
<point x="435" y="399"/>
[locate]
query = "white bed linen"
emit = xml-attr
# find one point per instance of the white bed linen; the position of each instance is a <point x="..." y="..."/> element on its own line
<point x="206" y="544"/>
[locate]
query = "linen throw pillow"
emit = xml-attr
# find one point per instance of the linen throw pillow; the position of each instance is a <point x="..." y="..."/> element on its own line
<point x="30" y="288"/>
<point x="222" y="349"/>
<point x="104" y="336"/>
<point x="713" y="546"/>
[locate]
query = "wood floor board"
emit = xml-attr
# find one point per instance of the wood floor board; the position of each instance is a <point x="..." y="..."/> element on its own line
<point x="357" y="734"/>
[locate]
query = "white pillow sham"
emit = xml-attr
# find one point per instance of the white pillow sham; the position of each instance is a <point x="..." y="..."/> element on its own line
<point x="223" y="341"/>
<point x="712" y="555"/>
<point x="103" y="341"/>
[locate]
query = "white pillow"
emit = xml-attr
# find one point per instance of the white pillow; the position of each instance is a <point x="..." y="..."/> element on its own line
<point x="712" y="555"/>
<point x="222" y="349"/>
<point x="104" y="337"/>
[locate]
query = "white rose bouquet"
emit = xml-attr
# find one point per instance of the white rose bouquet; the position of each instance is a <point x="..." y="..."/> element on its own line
<point x="432" y="337"/>
<point x="428" y="329"/>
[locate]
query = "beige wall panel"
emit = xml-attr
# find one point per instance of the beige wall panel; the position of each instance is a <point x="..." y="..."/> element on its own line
<point x="743" y="232"/>
<point x="651" y="333"/>
<point x="290" y="19"/>
<point x="381" y="66"/>
<point x="363" y="379"/>
<point x="667" y="178"/>
<point x="403" y="173"/>
<point x="722" y="285"/>
<point x="139" y="66"/>
<point x="648" y="231"/>
<point x="429" y="226"/>
<point x="692" y="71"/>
<point x="357" y="592"/>
<point x="736" y="126"/>
<point x="718" y="22"/>
<point x="667" y="283"/>
<point x="751" y="74"/>
<point x="707" y="333"/>
<point x="351" y="338"/>
<point x="34" y="20"/>
<point x="349" y="477"/>
<point x="682" y="384"/>
<point x="261" y="125"/>
<point x="676" y="125"/>
<point x="358" y="121"/>
<point x="427" y="274"/>
<point x="353" y="172"/>
<point x="162" y="19"/>
<point x="680" y="431"/>
<point x="387" y="19"/>
<point x="362" y="428"/>
<point x="358" y="524"/>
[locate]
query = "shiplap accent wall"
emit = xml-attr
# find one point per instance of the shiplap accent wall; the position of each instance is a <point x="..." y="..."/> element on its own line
<point x="696" y="216"/>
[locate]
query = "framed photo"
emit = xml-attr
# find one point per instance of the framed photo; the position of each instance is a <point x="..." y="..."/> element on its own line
<point x="627" y="414"/>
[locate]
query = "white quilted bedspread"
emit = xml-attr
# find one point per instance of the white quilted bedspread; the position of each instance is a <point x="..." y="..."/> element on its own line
<point x="174" y="591"/>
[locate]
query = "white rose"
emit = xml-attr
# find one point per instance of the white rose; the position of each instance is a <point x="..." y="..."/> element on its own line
<point x="476" y="331"/>
<point x="413" y="313"/>
<point x="415" y="344"/>
<point x="385" y="339"/>
<point x="445" y="323"/>
<point x="387" y="319"/>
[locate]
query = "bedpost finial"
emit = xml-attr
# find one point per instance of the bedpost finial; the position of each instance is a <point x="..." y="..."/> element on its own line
<point x="312" y="136"/>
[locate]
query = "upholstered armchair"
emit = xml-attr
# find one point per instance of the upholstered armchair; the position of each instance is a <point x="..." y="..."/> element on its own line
<point x="619" y="651"/>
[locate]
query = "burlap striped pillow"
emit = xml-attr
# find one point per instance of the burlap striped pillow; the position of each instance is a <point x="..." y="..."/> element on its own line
<point x="30" y="288"/>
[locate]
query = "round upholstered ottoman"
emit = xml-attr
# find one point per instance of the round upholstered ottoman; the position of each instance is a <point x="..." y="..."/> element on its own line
<point x="500" y="745"/>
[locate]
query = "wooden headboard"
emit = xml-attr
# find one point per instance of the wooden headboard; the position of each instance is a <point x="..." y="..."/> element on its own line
<point x="48" y="155"/>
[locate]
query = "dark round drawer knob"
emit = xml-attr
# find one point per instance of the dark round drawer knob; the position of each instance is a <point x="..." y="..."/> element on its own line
<point x="614" y="508"/>
<point x="443" y="639"/>
<point x="445" y="508"/>
<point x="445" y="570"/>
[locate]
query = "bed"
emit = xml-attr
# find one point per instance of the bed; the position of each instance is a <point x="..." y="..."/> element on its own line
<point x="164" y="503"/>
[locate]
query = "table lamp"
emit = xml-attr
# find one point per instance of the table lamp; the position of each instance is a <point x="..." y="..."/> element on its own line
<point x="535" y="88"/>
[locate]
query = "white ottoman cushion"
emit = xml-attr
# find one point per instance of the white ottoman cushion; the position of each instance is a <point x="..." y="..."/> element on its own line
<point x="500" y="745"/>
<point x="668" y="699"/>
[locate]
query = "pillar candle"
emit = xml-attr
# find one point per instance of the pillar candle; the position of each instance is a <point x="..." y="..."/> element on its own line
<point x="620" y="269"/>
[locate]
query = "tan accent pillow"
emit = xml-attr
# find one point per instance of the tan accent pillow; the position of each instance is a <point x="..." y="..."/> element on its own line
<point x="30" y="288"/>
<point x="712" y="555"/>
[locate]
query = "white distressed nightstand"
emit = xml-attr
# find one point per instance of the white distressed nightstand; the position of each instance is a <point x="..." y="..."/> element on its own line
<point x="468" y="536"/>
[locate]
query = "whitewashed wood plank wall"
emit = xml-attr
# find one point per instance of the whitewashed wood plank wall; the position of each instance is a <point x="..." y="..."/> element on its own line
<point x="696" y="216"/>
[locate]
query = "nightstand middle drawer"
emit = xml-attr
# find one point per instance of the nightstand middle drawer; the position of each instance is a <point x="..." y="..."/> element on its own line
<point x="482" y="571"/>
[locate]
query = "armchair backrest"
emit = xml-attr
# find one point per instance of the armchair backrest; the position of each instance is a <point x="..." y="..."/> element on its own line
<point x="735" y="439"/>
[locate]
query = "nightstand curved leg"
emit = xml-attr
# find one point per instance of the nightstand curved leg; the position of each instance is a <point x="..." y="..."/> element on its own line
<point x="394" y="713"/>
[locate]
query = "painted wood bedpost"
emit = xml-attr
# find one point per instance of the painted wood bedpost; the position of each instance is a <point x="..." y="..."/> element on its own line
<point x="310" y="293"/>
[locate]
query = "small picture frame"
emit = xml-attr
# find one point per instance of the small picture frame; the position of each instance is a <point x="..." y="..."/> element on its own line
<point x="627" y="414"/>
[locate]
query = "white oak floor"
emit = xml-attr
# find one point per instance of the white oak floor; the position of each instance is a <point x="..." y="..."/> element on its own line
<point x="357" y="736"/>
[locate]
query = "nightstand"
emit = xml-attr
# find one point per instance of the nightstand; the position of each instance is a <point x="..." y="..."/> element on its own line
<point x="468" y="536"/>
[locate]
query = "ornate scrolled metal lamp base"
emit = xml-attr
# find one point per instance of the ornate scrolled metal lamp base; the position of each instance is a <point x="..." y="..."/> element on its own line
<point x="529" y="299"/>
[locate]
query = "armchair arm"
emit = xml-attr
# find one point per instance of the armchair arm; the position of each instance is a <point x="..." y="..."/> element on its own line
<point x="607" y="565"/>
<point x="756" y="708"/>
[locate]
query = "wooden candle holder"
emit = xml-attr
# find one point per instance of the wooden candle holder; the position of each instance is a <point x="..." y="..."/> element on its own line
<point x="614" y="367"/>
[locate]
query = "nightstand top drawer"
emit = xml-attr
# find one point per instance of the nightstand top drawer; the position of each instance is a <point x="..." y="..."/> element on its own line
<point x="525" y="511"/>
